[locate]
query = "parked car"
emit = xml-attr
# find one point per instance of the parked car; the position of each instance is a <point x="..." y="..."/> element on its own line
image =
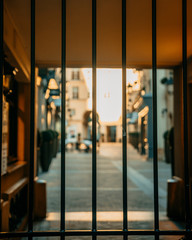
<point x="84" y="146"/>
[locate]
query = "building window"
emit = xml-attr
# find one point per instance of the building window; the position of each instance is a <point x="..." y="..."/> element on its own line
<point x="72" y="113"/>
<point x="75" y="75"/>
<point x="75" y="92"/>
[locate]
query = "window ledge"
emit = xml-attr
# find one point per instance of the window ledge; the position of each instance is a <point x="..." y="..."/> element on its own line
<point x="15" y="166"/>
<point x="13" y="190"/>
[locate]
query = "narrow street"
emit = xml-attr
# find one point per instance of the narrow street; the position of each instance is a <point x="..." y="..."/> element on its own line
<point x="109" y="192"/>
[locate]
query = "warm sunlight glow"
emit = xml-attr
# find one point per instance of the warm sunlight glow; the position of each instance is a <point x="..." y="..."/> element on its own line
<point x="109" y="91"/>
<point x="109" y="96"/>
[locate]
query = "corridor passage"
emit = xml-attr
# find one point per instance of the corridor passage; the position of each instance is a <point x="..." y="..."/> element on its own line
<point x="109" y="192"/>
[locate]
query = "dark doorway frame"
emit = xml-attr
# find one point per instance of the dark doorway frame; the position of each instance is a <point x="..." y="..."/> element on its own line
<point x="125" y="232"/>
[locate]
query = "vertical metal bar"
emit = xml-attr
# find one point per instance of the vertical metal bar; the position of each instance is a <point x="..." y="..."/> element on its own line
<point x="1" y="80"/>
<point x="94" y="120"/>
<point x="185" y="121"/>
<point x="155" y="144"/>
<point x="32" y="120"/>
<point x="63" y="94"/>
<point x="124" y="128"/>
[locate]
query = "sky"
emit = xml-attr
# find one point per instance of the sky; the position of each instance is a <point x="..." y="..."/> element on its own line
<point x="109" y="91"/>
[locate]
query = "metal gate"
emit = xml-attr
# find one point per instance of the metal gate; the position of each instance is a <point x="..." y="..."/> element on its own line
<point x="125" y="232"/>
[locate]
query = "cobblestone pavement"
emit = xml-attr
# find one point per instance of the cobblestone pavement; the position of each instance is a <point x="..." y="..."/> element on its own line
<point x="109" y="192"/>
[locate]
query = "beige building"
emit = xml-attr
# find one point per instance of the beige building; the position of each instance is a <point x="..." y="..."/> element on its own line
<point x="76" y="104"/>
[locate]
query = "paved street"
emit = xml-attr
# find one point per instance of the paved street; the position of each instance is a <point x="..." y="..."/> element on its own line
<point x="109" y="192"/>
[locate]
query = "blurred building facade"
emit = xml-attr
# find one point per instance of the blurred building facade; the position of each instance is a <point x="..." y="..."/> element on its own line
<point x="77" y="105"/>
<point x="140" y="113"/>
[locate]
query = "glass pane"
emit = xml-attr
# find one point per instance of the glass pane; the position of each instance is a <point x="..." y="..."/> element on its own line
<point x="109" y="154"/>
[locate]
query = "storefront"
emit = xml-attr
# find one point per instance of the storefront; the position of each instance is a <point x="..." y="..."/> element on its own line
<point x="15" y="155"/>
